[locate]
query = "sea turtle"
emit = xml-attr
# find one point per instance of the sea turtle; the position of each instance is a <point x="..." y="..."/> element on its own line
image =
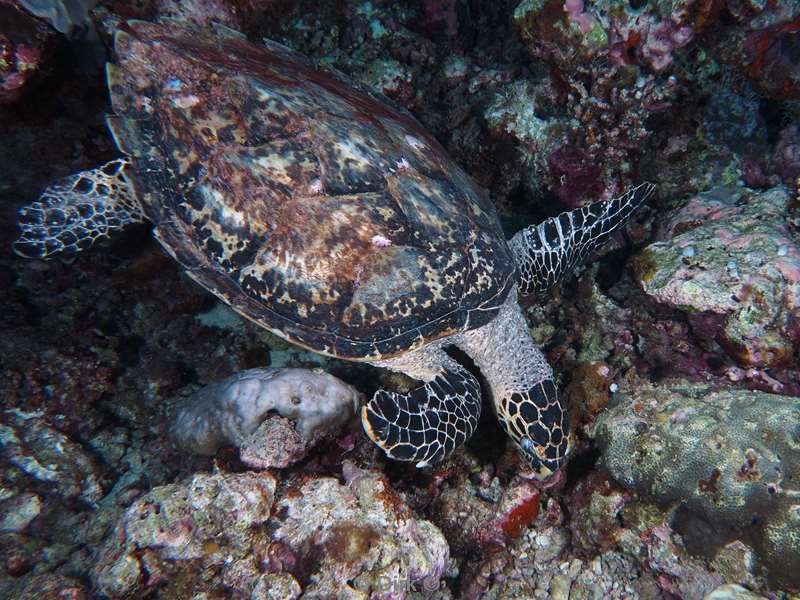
<point x="321" y="212"/>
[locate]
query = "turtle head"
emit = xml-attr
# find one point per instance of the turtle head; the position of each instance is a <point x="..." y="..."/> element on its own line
<point x="539" y="425"/>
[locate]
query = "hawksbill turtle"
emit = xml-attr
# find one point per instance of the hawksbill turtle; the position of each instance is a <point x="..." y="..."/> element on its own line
<point x="326" y="215"/>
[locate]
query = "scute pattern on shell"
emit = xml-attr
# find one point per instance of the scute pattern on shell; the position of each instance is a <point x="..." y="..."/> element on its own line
<point x="312" y="207"/>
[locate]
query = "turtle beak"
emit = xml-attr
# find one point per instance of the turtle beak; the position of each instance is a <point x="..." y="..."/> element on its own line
<point x="540" y="468"/>
<point x="542" y="473"/>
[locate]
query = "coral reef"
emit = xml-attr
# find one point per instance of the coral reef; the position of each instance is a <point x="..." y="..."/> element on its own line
<point x="209" y="523"/>
<point x="547" y="103"/>
<point x="25" y="49"/>
<point x="763" y="45"/>
<point x="34" y="449"/>
<point x="472" y="516"/>
<point x="360" y="537"/>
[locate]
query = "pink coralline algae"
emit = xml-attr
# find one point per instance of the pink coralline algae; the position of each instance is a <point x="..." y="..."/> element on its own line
<point x="662" y="39"/>
<point x="239" y="532"/>
<point x="764" y="45"/>
<point x="575" y="176"/>
<point x="24" y="45"/>
<point x="730" y="256"/>
<point x="622" y="35"/>
<point x="577" y="15"/>
<point x="603" y="82"/>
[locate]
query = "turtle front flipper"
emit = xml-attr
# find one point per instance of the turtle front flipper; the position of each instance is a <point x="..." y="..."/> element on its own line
<point x="546" y="252"/>
<point x="72" y="214"/>
<point x="523" y="391"/>
<point x="428" y="423"/>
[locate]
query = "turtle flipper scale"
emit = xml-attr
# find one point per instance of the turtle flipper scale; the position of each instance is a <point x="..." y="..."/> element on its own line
<point x="546" y="252"/>
<point x="428" y="423"/>
<point x="72" y="214"/>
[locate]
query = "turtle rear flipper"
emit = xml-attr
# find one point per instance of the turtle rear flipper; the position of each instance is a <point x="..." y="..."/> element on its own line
<point x="72" y="214"/>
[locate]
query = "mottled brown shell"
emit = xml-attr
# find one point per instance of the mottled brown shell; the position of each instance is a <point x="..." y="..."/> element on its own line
<point x="312" y="207"/>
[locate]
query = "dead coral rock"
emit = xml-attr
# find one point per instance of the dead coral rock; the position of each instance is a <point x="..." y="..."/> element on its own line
<point x="17" y="512"/>
<point x="733" y="592"/>
<point x="274" y="444"/>
<point x="728" y="458"/>
<point x="31" y="448"/>
<point x="537" y="566"/>
<point x="63" y="384"/>
<point x="595" y="506"/>
<point x="183" y="537"/>
<point x="730" y="254"/>
<point x="786" y="155"/>
<point x="678" y="574"/>
<point x="589" y="390"/>
<point x="762" y="44"/>
<point x="360" y="539"/>
<point x="606" y="519"/>
<point x="214" y="531"/>
<point x="276" y="586"/>
<point x="737" y="562"/>
<point x="44" y="587"/>
<point x="485" y="519"/>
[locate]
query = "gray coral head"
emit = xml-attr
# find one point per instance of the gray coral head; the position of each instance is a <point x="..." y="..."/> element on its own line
<point x="228" y="411"/>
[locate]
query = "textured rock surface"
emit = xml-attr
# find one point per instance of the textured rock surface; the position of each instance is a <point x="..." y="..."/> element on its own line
<point x="274" y="444"/>
<point x="180" y="536"/>
<point x="220" y="530"/>
<point x="730" y="258"/>
<point x="540" y="565"/>
<point x="733" y="592"/>
<point x="488" y="517"/>
<point x="360" y="539"/>
<point x="34" y="449"/>
<point x="49" y="587"/>
<point x="728" y="459"/>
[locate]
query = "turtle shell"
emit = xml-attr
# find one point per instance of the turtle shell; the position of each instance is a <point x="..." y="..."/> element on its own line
<point x="311" y="206"/>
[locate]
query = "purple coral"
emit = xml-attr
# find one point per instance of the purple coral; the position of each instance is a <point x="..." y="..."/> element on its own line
<point x="25" y="45"/>
<point x="786" y="155"/>
<point x="660" y="41"/>
<point x="575" y="10"/>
